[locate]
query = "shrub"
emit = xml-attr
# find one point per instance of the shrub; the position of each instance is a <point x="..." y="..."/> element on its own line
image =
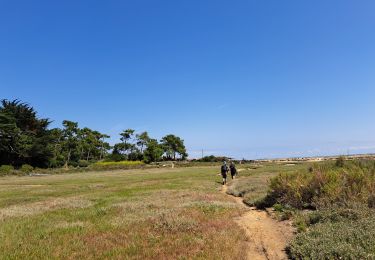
<point x="263" y="202"/>
<point x="115" y="157"/>
<point x="57" y="162"/>
<point x="26" y="168"/>
<point x="345" y="233"/>
<point x="6" y="169"/>
<point x="343" y="226"/>
<point x="340" y="161"/>
<point x="117" y="165"/>
<point x="83" y="163"/>
<point x="213" y="158"/>
<point x="324" y="185"/>
<point x="73" y="164"/>
<point x="278" y="207"/>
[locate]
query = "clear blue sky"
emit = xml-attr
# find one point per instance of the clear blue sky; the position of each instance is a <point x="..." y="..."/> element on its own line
<point x="239" y="78"/>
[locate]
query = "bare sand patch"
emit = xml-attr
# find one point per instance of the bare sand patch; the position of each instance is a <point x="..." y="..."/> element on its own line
<point x="267" y="238"/>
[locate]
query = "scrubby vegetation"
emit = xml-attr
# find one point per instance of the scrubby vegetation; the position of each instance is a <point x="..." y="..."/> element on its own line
<point x="117" y="165"/>
<point x="254" y="181"/>
<point x="341" y="221"/>
<point x="212" y="158"/>
<point x="325" y="184"/>
<point x="6" y="169"/>
<point x="332" y="204"/>
<point x="335" y="233"/>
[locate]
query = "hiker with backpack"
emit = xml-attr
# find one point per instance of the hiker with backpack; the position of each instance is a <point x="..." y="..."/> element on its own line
<point x="233" y="170"/>
<point x="224" y="171"/>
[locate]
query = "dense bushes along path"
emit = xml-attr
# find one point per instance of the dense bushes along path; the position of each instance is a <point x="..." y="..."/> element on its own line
<point x="267" y="237"/>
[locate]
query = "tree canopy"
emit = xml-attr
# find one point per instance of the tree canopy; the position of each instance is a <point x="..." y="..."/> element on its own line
<point x="25" y="138"/>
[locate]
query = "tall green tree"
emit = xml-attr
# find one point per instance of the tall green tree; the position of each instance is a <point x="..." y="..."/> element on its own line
<point x="104" y="146"/>
<point x="70" y="142"/>
<point x="24" y="136"/>
<point x="173" y="146"/>
<point x="142" y="140"/>
<point x="126" y="147"/>
<point x="56" y="147"/>
<point x="153" y="152"/>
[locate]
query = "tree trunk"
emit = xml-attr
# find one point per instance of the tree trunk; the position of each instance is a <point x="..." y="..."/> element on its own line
<point x="88" y="155"/>
<point x="80" y="155"/>
<point x="101" y="151"/>
<point x="67" y="159"/>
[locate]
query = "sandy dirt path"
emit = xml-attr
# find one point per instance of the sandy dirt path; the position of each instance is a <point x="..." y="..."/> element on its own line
<point x="267" y="237"/>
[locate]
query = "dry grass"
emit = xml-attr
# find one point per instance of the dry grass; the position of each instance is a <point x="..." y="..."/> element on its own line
<point x="137" y="214"/>
<point x="43" y="206"/>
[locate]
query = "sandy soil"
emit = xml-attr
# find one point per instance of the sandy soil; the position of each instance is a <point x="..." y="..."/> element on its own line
<point x="267" y="237"/>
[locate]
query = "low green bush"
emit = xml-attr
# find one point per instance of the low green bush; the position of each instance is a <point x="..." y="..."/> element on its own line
<point x="73" y="164"/>
<point x="324" y="185"/>
<point x="26" y="168"/>
<point x="83" y="163"/>
<point x="340" y="196"/>
<point x="117" y="165"/>
<point x="262" y="202"/>
<point x="6" y="169"/>
<point x="336" y="233"/>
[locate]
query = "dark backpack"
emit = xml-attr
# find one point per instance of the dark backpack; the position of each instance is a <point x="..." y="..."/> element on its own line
<point x="224" y="169"/>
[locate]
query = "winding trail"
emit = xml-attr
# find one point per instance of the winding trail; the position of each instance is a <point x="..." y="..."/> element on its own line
<point x="267" y="238"/>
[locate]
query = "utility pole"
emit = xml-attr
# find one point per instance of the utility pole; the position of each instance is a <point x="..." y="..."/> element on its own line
<point x="202" y="153"/>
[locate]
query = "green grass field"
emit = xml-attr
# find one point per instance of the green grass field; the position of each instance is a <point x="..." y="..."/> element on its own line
<point x="133" y="214"/>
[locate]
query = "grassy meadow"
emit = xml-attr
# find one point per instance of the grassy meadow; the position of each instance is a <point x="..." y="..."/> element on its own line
<point x="181" y="213"/>
<point x="134" y="214"/>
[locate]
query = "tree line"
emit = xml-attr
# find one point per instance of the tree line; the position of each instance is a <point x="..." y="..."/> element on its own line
<point x="27" y="139"/>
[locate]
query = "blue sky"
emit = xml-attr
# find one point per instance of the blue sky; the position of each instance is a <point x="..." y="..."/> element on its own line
<point x="247" y="79"/>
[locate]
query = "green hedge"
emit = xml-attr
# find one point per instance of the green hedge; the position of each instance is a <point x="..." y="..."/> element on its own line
<point x="117" y="165"/>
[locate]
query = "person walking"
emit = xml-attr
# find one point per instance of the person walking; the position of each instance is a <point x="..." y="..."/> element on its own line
<point x="224" y="171"/>
<point x="233" y="170"/>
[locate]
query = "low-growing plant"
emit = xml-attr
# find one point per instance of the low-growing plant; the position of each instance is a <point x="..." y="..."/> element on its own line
<point x="83" y="163"/>
<point x="335" y="233"/>
<point x="6" y="169"/>
<point x="263" y="202"/>
<point x="26" y="168"/>
<point x="324" y="185"/>
<point x="117" y="165"/>
<point x="278" y="207"/>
